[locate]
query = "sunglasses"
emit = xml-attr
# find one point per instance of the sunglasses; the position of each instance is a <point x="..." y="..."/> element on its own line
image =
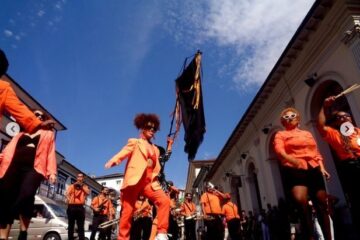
<point x="290" y="116"/>
<point x="150" y="128"/>
<point x="341" y="116"/>
<point x="39" y="115"/>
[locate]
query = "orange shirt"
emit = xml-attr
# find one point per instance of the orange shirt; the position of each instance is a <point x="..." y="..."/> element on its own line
<point x="230" y="211"/>
<point x="188" y="208"/>
<point x="144" y="207"/>
<point x="299" y="144"/>
<point x="101" y="200"/>
<point x="11" y="103"/>
<point x="77" y="196"/>
<point x="210" y="203"/>
<point x="336" y="141"/>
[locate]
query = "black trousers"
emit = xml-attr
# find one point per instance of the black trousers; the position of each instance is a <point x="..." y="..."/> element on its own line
<point x="76" y="213"/>
<point x="173" y="228"/>
<point x="97" y="220"/>
<point x="141" y="229"/>
<point x="17" y="190"/>
<point x="234" y="228"/>
<point x="349" y="172"/>
<point x="214" y="229"/>
<point x="190" y="231"/>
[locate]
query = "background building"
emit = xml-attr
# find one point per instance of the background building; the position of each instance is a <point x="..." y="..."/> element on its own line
<point x="322" y="59"/>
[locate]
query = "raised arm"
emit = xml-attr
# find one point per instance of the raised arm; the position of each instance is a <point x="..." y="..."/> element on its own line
<point x="321" y="123"/>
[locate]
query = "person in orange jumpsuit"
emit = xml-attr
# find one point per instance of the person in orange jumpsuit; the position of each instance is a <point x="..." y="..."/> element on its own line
<point x="347" y="149"/>
<point x="76" y="195"/>
<point x="27" y="160"/>
<point x="142" y="220"/>
<point x="102" y="209"/>
<point x="230" y="211"/>
<point x="211" y="207"/>
<point x="141" y="174"/>
<point x="303" y="170"/>
<point x="10" y="103"/>
<point x="188" y="210"/>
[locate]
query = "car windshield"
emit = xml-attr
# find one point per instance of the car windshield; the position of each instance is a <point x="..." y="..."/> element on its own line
<point x="59" y="211"/>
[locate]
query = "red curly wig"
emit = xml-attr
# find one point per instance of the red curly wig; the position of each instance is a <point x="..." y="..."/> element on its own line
<point x="141" y="120"/>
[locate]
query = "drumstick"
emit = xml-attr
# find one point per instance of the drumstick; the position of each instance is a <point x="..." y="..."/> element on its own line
<point x="348" y="90"/>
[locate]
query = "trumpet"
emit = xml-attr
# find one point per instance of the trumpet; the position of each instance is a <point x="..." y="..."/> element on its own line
<point x="108" y="223"/>
<point x="212" y="188"/>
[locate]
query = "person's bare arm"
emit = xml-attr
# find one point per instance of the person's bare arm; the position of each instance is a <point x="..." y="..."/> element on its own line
<point x="321" y="123"/>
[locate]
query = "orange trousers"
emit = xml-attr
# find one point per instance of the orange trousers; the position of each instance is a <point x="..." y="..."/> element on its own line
<point x="130" y="195"/>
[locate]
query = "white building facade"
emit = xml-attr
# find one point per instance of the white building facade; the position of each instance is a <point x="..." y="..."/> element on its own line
<point x="325" y="51"/>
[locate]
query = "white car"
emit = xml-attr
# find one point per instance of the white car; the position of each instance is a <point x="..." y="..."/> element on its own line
<point x="49" y="222"/>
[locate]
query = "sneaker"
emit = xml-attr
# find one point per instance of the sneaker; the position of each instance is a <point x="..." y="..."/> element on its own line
<point x="161" y="236"/>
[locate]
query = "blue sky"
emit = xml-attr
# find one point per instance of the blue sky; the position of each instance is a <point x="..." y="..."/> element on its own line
<point x="95" y="64"/>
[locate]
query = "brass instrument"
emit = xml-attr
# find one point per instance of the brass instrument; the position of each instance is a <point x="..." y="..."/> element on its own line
<point x="108" y="223"/>
<point x="138" y="215"/>
<point x="193" y="216"/>
<point x="212" y="188"/>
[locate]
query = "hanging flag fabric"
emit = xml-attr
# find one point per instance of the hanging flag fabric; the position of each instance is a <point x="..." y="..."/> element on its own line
<point x="190" y="105"/>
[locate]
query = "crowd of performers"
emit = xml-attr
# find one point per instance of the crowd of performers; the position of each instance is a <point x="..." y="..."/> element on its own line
<point x="150" y="212"/>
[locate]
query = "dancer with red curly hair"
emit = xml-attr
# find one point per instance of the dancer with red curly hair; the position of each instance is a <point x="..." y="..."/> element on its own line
<point x="140" y="178"/>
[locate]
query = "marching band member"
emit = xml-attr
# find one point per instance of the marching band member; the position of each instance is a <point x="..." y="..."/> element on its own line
<point x="303" y="170"/>
<point x="173" y="225"/>
<point x="210" y="204"/>
<point x="27" y="160"/>
<point x="141" y="174"/>
<point x="102" y="208"/>
<point x="142" y="220"/>
<point x="347" y="149"/>
<point x="188" y="210"/>
<point x="75" y="196"/>
<point x="112" y="215"/>
<point x="230" y="211"/>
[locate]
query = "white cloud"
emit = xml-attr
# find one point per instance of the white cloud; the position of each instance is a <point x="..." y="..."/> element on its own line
<point x="256" y="30"/>
<point x="8" y="33"/>
<point x="41" y="13"/>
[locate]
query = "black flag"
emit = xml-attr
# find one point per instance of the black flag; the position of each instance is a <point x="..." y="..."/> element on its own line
<point x="190" y="104"/>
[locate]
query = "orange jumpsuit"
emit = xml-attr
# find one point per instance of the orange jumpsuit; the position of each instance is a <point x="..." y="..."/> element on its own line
<point x="141" y="173"/>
